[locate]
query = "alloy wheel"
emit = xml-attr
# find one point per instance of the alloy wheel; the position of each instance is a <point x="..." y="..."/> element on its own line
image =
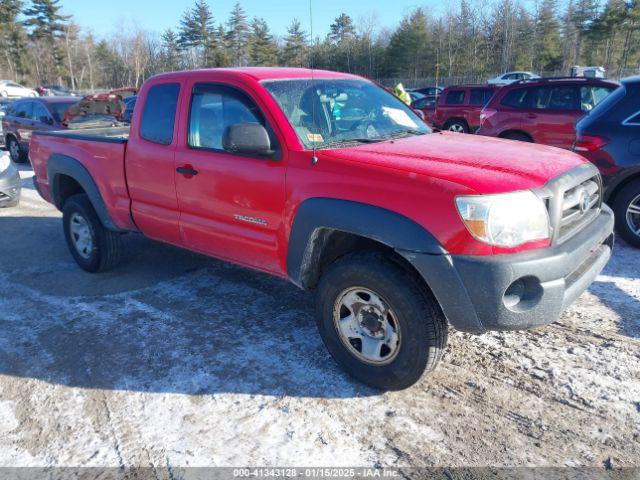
<point x="633" y="215"/>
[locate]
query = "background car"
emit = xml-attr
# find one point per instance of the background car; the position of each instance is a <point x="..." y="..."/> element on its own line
<point x="4" y="105"/>
<point x="9" y="89"/>
<point x="92" y="111"/>
<point x="10" y="183"/>
<point x="544" y="110"/>
<point x="54" y="90"/>
<point x="458" y="108"/>
<point x="426" y="105"/>
<point x="29" y="114"/>
<point x="414" y="95"/>
<point x="428" y="91"/>
<point x="130" y="103"/>
<point x="510" y="77"/>
<point x="610" y="138"/>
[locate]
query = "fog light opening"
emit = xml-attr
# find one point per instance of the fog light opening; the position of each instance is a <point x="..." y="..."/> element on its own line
<point x="523" y="294"/>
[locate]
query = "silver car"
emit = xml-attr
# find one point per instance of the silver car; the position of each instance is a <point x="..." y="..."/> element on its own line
<point x="10" y="184"/>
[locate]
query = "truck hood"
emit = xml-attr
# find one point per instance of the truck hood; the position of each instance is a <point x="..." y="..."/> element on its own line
<point x="483" y="164"/>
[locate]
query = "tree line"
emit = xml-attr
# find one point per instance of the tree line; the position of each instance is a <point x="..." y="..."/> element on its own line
<point x="472" y="39"/>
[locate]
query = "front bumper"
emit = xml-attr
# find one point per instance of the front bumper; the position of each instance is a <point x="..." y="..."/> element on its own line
<point x="517" y="291"/>
<point x="10" y="187"/>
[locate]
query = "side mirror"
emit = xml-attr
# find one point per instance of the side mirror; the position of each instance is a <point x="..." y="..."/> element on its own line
<point x="47" y="120"/>
<point x="247" y="139"/>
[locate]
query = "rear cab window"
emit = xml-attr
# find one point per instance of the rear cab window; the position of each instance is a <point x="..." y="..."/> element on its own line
<point x="159" y="114"/>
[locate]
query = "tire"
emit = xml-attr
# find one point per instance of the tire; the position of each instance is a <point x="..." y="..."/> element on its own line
<point x="15" y="151"/>
<point x="627" y="222"/>
<point x="80" y="222"/>
<point x="520" y="137"/>
<point x="457" y="126"/>
<point x="420" y="325"/>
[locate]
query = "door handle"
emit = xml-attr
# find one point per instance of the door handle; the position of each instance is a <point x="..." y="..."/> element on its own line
<point x="187" y="171"/>
<point x="532" y="115"/>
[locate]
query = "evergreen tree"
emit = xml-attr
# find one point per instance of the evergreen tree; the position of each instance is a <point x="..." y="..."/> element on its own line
<point x="47" y="25"/>
<point x="196" y="31"/>
<point x="170" y="51"/>
<point x="342" y="29"/>
<point x="342" y="35"/>
<point x="549" y="43"/>
<point x="237" y="36"/>
<point x="13" y="39"/>
<point x="263" y="49"/>
<point x="408" y="53"/>
<point x="295" y="50"/>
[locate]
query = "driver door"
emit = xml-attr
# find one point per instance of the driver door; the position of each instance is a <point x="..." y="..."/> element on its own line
<point x="231" y="205"/>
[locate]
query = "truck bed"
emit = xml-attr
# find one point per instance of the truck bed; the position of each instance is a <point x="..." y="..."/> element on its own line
<point x="103" y="134"/>
<point x="98" y="151"/>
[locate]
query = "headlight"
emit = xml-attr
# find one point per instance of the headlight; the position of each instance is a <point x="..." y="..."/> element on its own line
<point x="505" y="220"/>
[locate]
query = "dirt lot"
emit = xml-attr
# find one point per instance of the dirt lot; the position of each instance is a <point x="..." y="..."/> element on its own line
<point x="178" y="360"/>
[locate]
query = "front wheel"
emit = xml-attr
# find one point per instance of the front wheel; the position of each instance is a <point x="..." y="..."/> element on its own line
<point x="626" y="207"/>
<point x="93" y="247"/>
<point x="379" y="324"/>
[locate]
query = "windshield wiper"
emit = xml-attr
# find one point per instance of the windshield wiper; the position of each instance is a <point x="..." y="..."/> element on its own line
<point x="347" y="141"/>
<point x="402" y="133"/>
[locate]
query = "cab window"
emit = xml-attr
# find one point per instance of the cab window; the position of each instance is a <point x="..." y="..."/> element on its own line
<point x="214" y="108"/>
<point x="159" y="114"/>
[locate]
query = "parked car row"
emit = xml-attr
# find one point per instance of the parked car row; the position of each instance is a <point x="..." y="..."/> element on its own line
<point x="26" y="115"/>
<point x="597" y="118"/>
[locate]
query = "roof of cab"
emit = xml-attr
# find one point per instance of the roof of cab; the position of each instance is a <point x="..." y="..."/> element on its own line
<point x="261" y="73"/>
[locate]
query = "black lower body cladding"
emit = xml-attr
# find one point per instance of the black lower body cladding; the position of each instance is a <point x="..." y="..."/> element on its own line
<point x="517" y="291"/>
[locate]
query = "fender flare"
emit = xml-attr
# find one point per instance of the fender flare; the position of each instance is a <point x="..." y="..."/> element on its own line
<point x="57" y="165"/>
<point x="318" y="216"/>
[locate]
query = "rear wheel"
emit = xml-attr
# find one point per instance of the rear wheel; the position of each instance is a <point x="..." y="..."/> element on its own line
<point x="520" y="137"/>
<point x="626" y="207"/>
<point x="457" y="126"/>
<point x="15" y="152"/>
<point x="379" y="324"/>
<point x="93" y="247"/>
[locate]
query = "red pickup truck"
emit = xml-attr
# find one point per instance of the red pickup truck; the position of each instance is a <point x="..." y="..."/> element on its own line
<point x="329" y="181"/>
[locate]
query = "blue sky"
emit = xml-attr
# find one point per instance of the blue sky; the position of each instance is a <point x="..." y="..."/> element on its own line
<point x="105" y="17"/>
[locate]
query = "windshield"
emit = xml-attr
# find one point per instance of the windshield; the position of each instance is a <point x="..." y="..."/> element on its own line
<point x="330" y="113"/>
<point x="58" y="109"/>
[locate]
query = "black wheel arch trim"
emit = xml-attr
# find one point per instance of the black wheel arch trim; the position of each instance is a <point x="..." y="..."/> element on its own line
<point x="317" y="216"/>
<point x="64" y="165"/>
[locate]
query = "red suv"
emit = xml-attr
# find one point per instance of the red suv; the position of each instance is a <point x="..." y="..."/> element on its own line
<point x="542" y="110"/>
<point x="458" y="108"/>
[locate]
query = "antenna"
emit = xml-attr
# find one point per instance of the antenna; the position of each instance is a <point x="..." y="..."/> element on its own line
<point x="314" y="158"/>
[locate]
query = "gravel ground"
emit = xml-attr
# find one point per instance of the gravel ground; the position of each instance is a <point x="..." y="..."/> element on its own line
<point x="176" y="360"/>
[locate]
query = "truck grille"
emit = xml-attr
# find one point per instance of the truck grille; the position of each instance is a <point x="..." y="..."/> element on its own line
<point x="574" y="200"/>
<point x="580" y="205"/>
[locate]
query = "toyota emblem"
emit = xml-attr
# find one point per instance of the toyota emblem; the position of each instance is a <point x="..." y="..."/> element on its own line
<point x="585" y="201"/>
